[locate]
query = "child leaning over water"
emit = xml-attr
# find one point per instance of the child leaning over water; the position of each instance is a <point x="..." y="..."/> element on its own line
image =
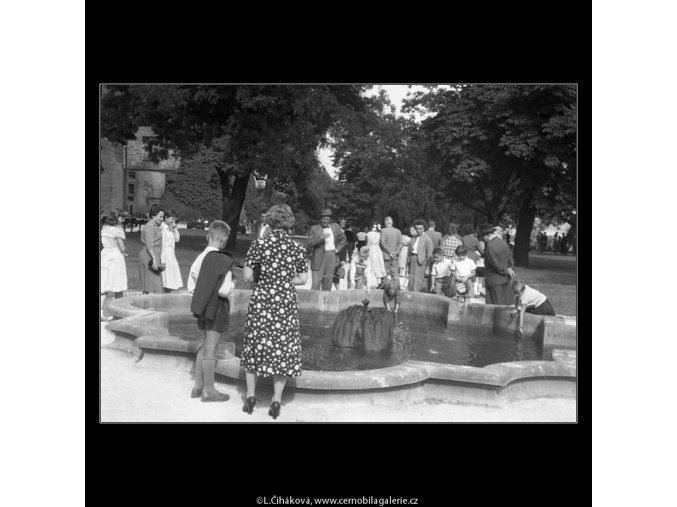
<point x="529" y="300"/>
<point x="210" y="282"/>
<point x="391" y="294"/>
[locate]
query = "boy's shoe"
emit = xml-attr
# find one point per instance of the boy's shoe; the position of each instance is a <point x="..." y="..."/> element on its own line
<point x="196" y="393"/>
<point x="207" y="397"/>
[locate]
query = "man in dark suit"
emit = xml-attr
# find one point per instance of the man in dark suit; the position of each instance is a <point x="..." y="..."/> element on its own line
<point x="326" y="240"/>
<point x="420" y="257"/>
<point x="391" y="244"/>
<point x="498" y="271"/>
<point x="434" y="235"/>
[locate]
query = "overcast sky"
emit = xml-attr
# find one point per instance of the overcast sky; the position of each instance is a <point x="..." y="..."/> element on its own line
<point x="396" y="93"/>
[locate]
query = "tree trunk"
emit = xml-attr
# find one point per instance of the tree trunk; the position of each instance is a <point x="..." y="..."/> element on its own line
<point x="267" y="193"/>
<point x="525" y="225"/>
<point x="234" y="190"/>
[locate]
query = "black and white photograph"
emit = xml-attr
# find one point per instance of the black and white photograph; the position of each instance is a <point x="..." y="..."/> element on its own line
<point x="338" y="253"/>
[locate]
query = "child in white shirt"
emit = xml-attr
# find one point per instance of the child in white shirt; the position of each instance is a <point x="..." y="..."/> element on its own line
<point x="529" y="300"/>
<point x="440" y="273"/>
<point x="462" y="273"/>
<point x="226" y="287"/>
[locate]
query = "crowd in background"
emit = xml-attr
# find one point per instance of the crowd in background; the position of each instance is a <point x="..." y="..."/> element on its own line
<point x="419" y="257"/>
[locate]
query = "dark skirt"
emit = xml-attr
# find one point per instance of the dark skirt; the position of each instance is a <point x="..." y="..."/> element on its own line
<point x="545" y="308"/>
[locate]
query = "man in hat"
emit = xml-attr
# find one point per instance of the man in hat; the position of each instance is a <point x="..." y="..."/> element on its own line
<point x="498" y="271"/>
<point x="326" y="240"/>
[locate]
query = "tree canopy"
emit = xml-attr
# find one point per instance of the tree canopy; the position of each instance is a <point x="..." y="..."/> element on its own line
<point x="504" y="149"/>
<point x="268" y="130"/>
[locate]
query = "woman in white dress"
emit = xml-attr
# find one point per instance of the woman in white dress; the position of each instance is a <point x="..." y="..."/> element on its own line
<point x="171" y="276"/>
<point x="113" y="267"/>
<point x="376" y="271"/>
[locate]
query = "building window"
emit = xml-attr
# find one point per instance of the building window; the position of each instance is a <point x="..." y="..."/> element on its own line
<point x="131" y="175"/>
<point x="130" y="189"/>
<point x="151" y="145"/>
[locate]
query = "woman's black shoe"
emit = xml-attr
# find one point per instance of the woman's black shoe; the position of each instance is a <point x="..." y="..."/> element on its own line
<point x="274" y="409"/>
<point x="249" y="405"/>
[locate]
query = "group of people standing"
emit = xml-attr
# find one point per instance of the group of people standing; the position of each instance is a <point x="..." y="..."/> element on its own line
<point x="158" y="267"/>
<point x="388" y="254"/>
<point x="558" y="245"/>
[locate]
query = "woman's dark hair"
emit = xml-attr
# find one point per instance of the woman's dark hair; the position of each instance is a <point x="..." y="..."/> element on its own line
<point x="452" y="229"/>
<point x="170" y="213"/>
<point x="154" y="210"/>
<point x="280" y="216"/>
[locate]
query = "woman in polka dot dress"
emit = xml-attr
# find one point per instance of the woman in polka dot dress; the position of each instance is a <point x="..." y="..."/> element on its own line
<point x="272" y="343"/>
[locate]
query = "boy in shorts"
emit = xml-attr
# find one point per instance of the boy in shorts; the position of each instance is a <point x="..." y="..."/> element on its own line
<point x="210" y="282"/>
<point x="462" y="273"/>
<point x="440" y="273"/>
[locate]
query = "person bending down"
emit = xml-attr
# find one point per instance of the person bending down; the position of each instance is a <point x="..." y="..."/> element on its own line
<point x="529" y="300"/>
<point x="391" y="294"/>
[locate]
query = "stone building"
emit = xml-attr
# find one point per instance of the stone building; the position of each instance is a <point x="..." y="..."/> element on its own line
<point x="128" y="178"/>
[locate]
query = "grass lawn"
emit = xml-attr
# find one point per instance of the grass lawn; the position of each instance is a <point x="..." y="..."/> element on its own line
<point x="192" y="243"/>
<point x="553" y="275"/>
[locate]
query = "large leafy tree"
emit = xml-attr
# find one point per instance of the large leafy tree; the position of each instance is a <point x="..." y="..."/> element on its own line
<point x="382" y="172"/>
<point x="270" y="131"/>
<point x="503" y="149"/>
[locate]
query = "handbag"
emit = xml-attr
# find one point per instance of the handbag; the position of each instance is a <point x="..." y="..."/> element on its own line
<point x="160" y="269"/>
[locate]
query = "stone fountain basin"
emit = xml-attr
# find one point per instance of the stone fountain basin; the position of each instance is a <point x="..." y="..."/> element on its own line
<point x="144" y="321"/>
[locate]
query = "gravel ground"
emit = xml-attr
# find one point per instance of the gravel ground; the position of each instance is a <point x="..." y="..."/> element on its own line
<point x="132" y="393"/>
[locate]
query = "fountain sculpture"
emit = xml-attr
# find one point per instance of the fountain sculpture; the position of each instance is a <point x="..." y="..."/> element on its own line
<point x="360" y="327"/>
